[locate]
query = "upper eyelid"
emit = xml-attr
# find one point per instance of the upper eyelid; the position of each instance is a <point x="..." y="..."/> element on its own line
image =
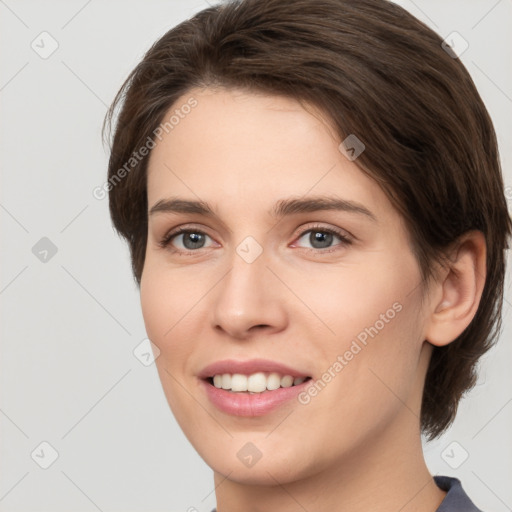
<point x="316" y="224"/>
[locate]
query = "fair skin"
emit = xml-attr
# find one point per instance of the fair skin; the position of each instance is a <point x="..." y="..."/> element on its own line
<point x="299" y="303"/>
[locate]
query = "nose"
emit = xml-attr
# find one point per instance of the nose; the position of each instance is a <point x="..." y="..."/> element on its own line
<point x="249" y="299"/>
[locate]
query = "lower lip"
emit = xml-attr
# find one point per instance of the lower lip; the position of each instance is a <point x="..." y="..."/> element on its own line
<point x="246" y="404"/>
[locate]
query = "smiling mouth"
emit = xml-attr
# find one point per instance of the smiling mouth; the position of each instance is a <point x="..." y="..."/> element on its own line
<point x="258" y="382"/>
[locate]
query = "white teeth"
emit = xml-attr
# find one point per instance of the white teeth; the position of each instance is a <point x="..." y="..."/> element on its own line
<point x="238" y="382"/>
<point x="273" y="381"/>
<point x="226" y="381"/>
<point x="256" y="382"/>
<point x="286" y="381"/>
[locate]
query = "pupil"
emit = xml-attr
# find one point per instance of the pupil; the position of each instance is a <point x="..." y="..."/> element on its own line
<point x="195" y="240"/>
<point x="325" y="239"/>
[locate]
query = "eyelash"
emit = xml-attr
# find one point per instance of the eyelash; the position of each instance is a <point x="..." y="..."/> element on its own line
<point x="166" y="240"/>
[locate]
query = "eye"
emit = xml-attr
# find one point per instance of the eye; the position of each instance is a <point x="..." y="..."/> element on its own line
<point x="183" y="239"/>
<point x="191" y="239"/>
<point x="322" y="238"/>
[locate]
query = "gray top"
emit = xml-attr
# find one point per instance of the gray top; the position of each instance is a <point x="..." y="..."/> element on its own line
<point x="456" y="500"/>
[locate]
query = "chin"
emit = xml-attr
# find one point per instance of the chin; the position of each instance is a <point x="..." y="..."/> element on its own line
<point x="269" y="473"/>
<point x="249" y="458"/>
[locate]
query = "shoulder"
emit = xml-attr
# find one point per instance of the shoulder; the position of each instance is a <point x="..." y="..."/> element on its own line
<point x="456" y="499"/>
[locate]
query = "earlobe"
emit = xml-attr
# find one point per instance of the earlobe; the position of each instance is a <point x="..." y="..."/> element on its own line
<point x="458" y="292"/>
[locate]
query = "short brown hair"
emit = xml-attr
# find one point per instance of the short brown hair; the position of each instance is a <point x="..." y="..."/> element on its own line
<point x="377" y="72"/>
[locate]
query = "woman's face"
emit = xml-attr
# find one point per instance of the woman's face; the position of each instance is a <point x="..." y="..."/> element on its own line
<point x="283" y="289"/>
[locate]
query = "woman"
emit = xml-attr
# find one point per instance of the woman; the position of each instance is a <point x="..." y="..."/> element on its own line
<point x="313" y="201"/>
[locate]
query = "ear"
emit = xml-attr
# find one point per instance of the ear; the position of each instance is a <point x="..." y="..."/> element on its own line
<point x="456" y="294"/>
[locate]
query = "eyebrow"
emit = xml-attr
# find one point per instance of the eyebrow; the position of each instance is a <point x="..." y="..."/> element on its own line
<point x="282" y="208"/>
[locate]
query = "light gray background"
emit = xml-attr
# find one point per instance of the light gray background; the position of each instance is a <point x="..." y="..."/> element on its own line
<point x="69" y="327"/>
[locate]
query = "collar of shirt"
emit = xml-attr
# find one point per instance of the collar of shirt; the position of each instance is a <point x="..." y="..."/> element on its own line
<point x="456" y="499"/>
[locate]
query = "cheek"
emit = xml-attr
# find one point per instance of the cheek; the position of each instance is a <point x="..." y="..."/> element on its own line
<point x="349" y="300"/>
<point x="379" y="347"/>
<point x="371" y="317"/>
<point x="168" y="317"/>
<point x="154" y="302"/>
<point x="167" y="299"/>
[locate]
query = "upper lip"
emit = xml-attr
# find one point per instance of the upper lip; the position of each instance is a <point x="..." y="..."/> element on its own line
<point x="248" y="367"/>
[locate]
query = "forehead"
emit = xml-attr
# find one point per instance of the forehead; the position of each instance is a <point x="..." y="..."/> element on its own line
<point x="238" y="147"/>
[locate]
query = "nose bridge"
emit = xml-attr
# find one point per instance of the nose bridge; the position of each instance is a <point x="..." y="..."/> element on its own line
<point x="248" y="295"/>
